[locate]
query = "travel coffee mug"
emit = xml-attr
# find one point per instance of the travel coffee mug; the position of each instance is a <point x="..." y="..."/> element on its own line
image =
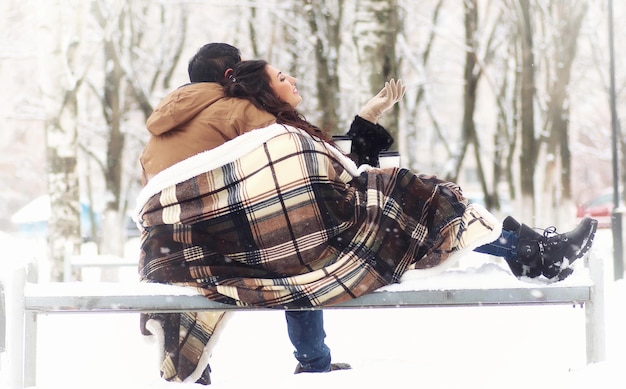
<point x="388" y="159"/>
<point x="343" y="143"/>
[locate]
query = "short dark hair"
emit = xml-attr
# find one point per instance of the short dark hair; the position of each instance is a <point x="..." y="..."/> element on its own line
<point x="211" y="61"/>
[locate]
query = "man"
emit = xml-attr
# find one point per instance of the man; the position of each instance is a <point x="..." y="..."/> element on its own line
<point x="197" y="117"/>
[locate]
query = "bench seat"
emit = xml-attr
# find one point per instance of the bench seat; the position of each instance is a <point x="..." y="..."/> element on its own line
<point x="489" y="285"/>
<point x="141" y="297"/>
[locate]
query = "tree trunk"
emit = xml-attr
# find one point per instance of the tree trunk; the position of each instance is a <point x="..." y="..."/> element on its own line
<point x="324" y="18"/>
<point x="112" y="225"/>
<point x="469" y="88"/>
<point x="528" y="154"/>
<point x="419" y="60"/>
<point x="557" y="181"/>
<point x="112" y="110"/>
<point x="60" y="104"/>
<point x="376" y="28"/>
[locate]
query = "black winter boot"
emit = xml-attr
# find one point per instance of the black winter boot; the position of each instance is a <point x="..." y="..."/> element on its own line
<point x="528" y="262"/>
<point x="332" y="367"/>
<point x="550" y="254"/>
<point x="561" y="250"/>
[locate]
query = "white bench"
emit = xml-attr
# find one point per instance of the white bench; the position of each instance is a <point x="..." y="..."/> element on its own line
<point x="25" y="300"/>
<point x="73" y="262"/>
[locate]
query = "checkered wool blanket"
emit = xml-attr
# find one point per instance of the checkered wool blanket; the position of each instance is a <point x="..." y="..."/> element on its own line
<point x="276" y="218"/>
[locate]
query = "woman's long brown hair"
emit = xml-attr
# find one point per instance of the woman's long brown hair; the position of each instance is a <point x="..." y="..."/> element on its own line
<point x="249" y="80"/>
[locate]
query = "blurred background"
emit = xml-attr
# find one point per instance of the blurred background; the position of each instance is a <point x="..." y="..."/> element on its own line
<point x="510" y="98"/>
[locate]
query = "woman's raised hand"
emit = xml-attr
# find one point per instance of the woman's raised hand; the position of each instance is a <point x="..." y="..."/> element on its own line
<point x="391" y="93"/>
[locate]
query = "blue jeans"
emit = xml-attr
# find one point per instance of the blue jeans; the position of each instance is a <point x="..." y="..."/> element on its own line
<point x="306" y="327"/>
<point x="505" y="246"/>
<point x="306" y="332"/>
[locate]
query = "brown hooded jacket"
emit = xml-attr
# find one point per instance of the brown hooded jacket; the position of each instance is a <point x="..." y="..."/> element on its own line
<point x="195" y="118"/>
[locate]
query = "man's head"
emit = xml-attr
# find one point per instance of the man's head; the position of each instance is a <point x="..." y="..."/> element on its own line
<point x="211" y="62"/>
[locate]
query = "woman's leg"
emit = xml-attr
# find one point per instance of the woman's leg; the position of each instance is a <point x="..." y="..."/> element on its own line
<point x="505" y="246"/>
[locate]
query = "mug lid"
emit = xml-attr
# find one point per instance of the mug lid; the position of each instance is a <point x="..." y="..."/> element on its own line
<point x="386" y="153"/>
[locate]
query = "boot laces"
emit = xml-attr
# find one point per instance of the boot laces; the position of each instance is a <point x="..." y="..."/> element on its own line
<point x="552" y="238"/>
<point x="549" y="232"/>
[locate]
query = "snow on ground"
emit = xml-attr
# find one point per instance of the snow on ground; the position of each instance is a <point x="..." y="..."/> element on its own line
<point x="486" y="347"/>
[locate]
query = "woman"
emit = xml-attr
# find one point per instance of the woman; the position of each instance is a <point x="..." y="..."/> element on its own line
<point x="278" y="217"/>
<point x="527" y="252"/>
<point x="270" y="89"/>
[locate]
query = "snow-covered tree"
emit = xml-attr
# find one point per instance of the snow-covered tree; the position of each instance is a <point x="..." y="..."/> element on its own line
<point x="59" y="37"/>
<point x="324" y="19"/>
<point x="374" y="34"/>
<point x="107" y="62"/>
<point x="132" y="72"/>
<point x="561" y="22"/>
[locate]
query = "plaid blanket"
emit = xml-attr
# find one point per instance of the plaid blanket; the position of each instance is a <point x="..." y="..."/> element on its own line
<point x="276" y="218"/>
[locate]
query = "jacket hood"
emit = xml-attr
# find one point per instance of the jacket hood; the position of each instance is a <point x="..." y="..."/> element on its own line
<point x="182" y="105"/>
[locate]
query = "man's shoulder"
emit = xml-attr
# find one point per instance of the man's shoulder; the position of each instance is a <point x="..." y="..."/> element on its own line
<point x="219" y="102"/>
<point x="206" y="101"/>
<point x="191" y="97"/>
<point x="195" y="88"/>
<point x="238" y="110"/>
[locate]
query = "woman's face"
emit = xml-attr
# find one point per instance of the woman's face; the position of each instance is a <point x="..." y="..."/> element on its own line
<point x="284" y="86"/>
